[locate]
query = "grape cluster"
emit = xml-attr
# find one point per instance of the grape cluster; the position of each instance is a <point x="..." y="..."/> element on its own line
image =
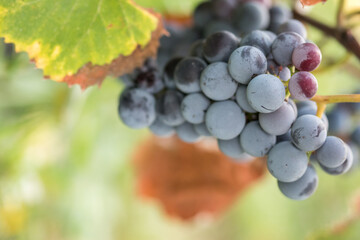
<point x="251" y="93"/>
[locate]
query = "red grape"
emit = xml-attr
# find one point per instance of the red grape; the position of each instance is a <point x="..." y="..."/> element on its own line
<point x="303" y="85"/>
<point x="306" y="57"/>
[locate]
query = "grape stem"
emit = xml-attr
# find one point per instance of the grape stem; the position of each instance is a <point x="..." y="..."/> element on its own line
<point x="341" y="34"/>
<point x="322" y="101"/>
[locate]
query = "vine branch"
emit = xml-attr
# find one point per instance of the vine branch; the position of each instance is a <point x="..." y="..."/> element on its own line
<point x="342" y="35"/>
<point x="322" y="101"/>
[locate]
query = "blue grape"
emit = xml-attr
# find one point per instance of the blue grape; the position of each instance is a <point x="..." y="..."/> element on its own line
<point x="293" y="105"/>
<point x="293" y="25"/>
<point x="265" y="93"/>
<point x="216" y="82"/>
<point x="187" y="74"/>
<point x="285" y="74"/>
<point x="196" y="49"/>
<point x="332" y="153"/>
<point x="286" y="162"/>
<point x="245" y="62"/>
<point x="225" y="120"/>
<point x="256" y="141"/>
<point x="241" y="99"/>
<point x="219" y="46"/>
<point x="137" y="108"/>
<point x="232" y="148"/>
<point x="339" y="121"/>
<point x="251" y="16"/>
<point x="344" y="167"/>
<point x="283" y="47"/>
<point x="355" y="136"/>
<point x="284" y="137"/>
<point x="193" y="107"/>
<point x="149" y="81"/>
<point x="259" y="39"/>
<point x="203" y="14"/>
<point x="169" y="70"/>
<point x="161" y="129"/>
<point x="279" y="121"/>
<point x="218" y="26"/>
<point x="168" y="107"/>
<point x="302" y="188"/>
<point x="308" y="133"/>
<point x="202" y="130"/>
<point x="186" y="133"/>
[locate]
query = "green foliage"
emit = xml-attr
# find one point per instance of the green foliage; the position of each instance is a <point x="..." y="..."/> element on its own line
<point x="183" y="8"/>
<point x="64" y="35"/>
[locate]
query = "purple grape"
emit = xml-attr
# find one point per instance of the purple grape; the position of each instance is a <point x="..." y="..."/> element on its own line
<point x="306" y="57"/>
<point x="303" y="85"/>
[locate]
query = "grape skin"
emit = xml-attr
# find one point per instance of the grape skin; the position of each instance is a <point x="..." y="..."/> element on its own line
<point x="216" y="82"/>
<point x="302" y="188"/>
<point x="193" y="107"/>
<point x="202" y="130"/>
<point x="306" y="57"/>
<point x="218" y="26"/>
<point x="283" y="47"/>
<point x="279" y="121"/>
<point x="187" y="74"/>
<point x="251" y="16"/>
<point x="287" y="163"/>
<point x="293" y="25"/>
<point x="285" y="74"/>
<point x="241" y="99"/>
<point x="137" y="108"/>
<point x="225" y="120"/>
<point x="232" y="149"/>
<point x="259" y="39"/>
<point x="219" y="46"/>
<point x="186" y="133"/>
<point x="308" y="133"/>
<point x="355" y="136"/>
<point x="278" y="15"/>
<point x="203" y="14"/>
<point x="256" y="141"/>
<point x="303" y="85"/>
<point x="161" y="129"/>
<point x="168" y="108"/>
<point x="246" y="61"/>
<point x="332" y="153"/>
<point x="344" y="167"/>
<point x="265" y="93"/>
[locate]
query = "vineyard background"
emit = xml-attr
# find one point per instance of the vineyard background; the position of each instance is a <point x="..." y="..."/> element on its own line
<point x="66" y="165"/>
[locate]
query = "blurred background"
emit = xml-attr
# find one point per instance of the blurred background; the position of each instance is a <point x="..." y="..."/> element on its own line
<point x="67" y="172"/>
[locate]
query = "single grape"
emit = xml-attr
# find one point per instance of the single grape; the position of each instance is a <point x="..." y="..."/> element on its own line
<point x="169" y="70"/>
<point x="232" y="148"/>
<point x="225" y="120"/>
<point x="283" y="47"/>
<point x="302" y="188"/>
<point x="194" y="106"/>
<point x="168" y="108"/>
<point x="340" y="121"/>
<point x="216" y="82"/>
<point x="196" y="49"/>
<point x="202" y="130"/>
<point x="303" y="85"/>
<point x="149" y="81"/>
<point x="245" y="62"/>
<point x="332" y="153"/>
<point x="203" y="14"/>
<point x="187" y="74"/>
<point x="265" y="93"/>
<point x="286" y="162"/>
<point x="241" y="99"/>
<point x="355" y="136"/>
<point x="306" y="57"/>
<point x="308" y="133"/>
<point x="285" y="74"/>
<point x="284" y="137"/>
<point x="137" y="108"/>
<point x="279" y="121"/>
<point x="293" y="105"/>
<point x="310" y="107"/>
<point x="161" y="129"/>
<point x="266" y="3"/>
<point x="186" y="133"/>
<point x="256" y="141"/>
<point x="223" y="9"/>
<point x="251" y="16"/>
<point x="271" y="35"/>
<point x="278" y="15"/>
<point x="273" y="67"/>
<point x="259" y="39"/>
<point x="219" y="46"/>
<point x="293" y="25"/>
<point x="344" y="167"/>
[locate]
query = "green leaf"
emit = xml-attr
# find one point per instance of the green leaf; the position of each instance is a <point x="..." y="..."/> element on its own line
<point x="62" y="36"/>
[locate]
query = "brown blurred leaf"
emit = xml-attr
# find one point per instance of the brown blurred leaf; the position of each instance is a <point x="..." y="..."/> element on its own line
<point x="189" y="179"/>
<point x="311" y="2"/>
